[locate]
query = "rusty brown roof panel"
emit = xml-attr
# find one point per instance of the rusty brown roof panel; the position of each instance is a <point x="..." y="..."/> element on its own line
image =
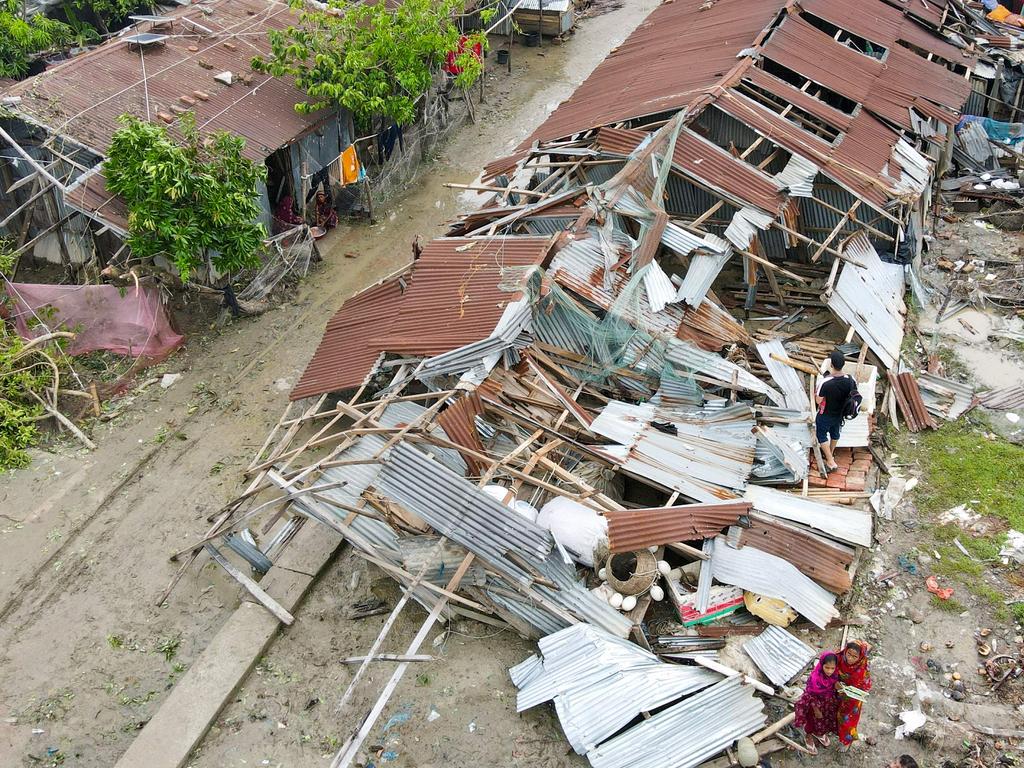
<point x="881" y="24"/>
<point x="932" y="12"/>
<point x="672" y="59"/>
<point x="459" y="422"/>
<point x="90" y="194"/>
<point x="907" y="80"/>
<point x="815" y="557"/>
<point x="843" y="165"/>
<point x="699" y="159"/>
<point x="633" y="529"/>
<point x="810" y="52"/>
<point x="452" y="296"/>
<point x="344" y="358"/>
<point x="790" y="95"/>
<point x="887" y="88"/>
<point x="83" y="96"/>
<point x="711" y="327"/>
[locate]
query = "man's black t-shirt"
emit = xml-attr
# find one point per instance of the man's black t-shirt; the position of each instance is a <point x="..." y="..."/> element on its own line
<point x="835" y="390"/>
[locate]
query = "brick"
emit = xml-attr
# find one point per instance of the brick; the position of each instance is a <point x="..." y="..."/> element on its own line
<point x="841" y="471"/>
<point x="860" y="465"/>
<point x="816" y="481"/>
<point x="836" y="481"/>
<point x="852" y="475"/>
<point x="855" y="484"/>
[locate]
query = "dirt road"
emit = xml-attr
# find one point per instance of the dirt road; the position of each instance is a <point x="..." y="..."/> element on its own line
<point x="85" y="656"/>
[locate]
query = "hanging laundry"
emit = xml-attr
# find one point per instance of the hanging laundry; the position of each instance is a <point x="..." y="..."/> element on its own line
<point x="350" y="165"/>
<point x="450" y="66"/>
<point x="387" y="139"/>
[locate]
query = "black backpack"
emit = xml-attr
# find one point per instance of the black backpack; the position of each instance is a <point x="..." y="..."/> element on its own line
<point x="851" y="406"/>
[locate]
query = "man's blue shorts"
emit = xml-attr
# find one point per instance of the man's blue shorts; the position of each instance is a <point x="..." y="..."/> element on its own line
<point x="827" y="427"/>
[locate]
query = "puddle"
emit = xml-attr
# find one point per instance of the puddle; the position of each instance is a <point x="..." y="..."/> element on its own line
<point x="968" y="334"/>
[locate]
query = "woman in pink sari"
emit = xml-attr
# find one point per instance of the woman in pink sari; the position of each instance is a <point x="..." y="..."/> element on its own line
<point x="818" y="707"/>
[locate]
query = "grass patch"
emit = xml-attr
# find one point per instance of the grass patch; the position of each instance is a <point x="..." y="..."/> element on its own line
<point x="949" y="606"/>
<point x="1018" y="612"/>
<point x="963" y="467"/>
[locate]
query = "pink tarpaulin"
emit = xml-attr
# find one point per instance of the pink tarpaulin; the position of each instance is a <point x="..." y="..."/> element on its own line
<point x="134" y="324"/>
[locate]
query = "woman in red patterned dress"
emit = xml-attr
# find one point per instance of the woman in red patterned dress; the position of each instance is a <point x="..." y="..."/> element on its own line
<point x="854" y="672"/>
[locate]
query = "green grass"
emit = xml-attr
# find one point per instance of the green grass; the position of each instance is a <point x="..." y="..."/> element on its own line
<point x="1018" y="612"/>
<point x="961" y="466"/>
<point x="949" y="606"/>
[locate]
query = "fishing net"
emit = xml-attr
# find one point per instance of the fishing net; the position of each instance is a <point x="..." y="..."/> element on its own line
<point x="606" y="347"/>
<point x="286" y="259"/>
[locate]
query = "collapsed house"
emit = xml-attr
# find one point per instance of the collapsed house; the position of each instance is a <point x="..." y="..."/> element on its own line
<point x="568" y="416"/>
<point x="58" y="125"/>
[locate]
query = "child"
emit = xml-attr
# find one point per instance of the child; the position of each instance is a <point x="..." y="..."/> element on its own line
<point x="855" y="672"/>
<point x="817" y="711"/>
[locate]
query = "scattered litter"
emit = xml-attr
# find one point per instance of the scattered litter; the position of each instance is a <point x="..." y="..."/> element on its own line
<point x="943" y="593"/>
<point x="911" y="720"/>
<point x="168" y="379"/>
<point x="433" y="715"/>
<point x="1013" y="548"/>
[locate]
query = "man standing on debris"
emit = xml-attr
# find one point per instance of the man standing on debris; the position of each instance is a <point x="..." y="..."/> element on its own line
<point x="831" y="399"/>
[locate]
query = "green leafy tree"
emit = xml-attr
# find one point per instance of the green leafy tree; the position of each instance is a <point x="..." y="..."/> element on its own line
<point x="368" y="58"/>
<point x="187" y="200"/>
<point x="22" y="39"/>
<point x="107" y="14"/>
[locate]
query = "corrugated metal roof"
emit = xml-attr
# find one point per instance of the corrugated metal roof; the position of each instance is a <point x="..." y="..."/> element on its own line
<point x="599" y="683"/>
<point x="83" y="96"/>
<point x="456" y="508"/>
<point x="699" y="159"/>
<point x="870" y="298"/>
<point x="688" y="733"/>
<point x="633" y="529"/>
<point x="847" y="524"/>
<point x="778" y="654"/>
<point x="703" y="449"/>
<point x="671" y="60"/>
<point x="90" y="195"/>
<point x="452" y="298"/>
<point x="771" y="576"/>
<point x="786" y="377"/>
<point x="822" y="559"/>
<point x="945" y="397"/>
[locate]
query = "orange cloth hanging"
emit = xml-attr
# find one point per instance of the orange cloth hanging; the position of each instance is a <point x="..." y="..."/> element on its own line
<point x="349" y="165"/>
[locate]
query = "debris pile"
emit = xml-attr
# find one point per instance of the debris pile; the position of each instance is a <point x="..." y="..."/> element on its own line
<point x="586" y="412"/>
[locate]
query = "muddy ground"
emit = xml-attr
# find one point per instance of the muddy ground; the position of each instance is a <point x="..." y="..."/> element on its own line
<point x="86" y="657"/>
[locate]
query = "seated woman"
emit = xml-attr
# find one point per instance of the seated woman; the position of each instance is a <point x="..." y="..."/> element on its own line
<point x="326" y="216"/>
<point x="285" y="217"/>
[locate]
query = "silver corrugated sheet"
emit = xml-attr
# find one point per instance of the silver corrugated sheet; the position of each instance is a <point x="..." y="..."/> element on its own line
<point x="945" y="398"/>
<point x="770" y="576"/>
<point x="695" y="360"/>
<point x="456" y="508"/>
<point x="703" y="449"/>
<point x="843" y="523"/>
<point x="437" y="562"/>
<point x="660" y="291"/>
<point x="600" y="683"/>
<point x="526" y="671"/>
<point x="870" y="299"/>
<point x="793" y="389"/>
<point x="793" y="458"/>
<point x="798" y="176"/>
<point x="778" y="654"/>
<point x="688" y="733"/>
<point x="745" y="224"/>
<point x="712" y="254"/>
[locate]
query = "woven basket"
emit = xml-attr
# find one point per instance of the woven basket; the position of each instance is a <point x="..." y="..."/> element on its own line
<point x="641" y="566"/>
